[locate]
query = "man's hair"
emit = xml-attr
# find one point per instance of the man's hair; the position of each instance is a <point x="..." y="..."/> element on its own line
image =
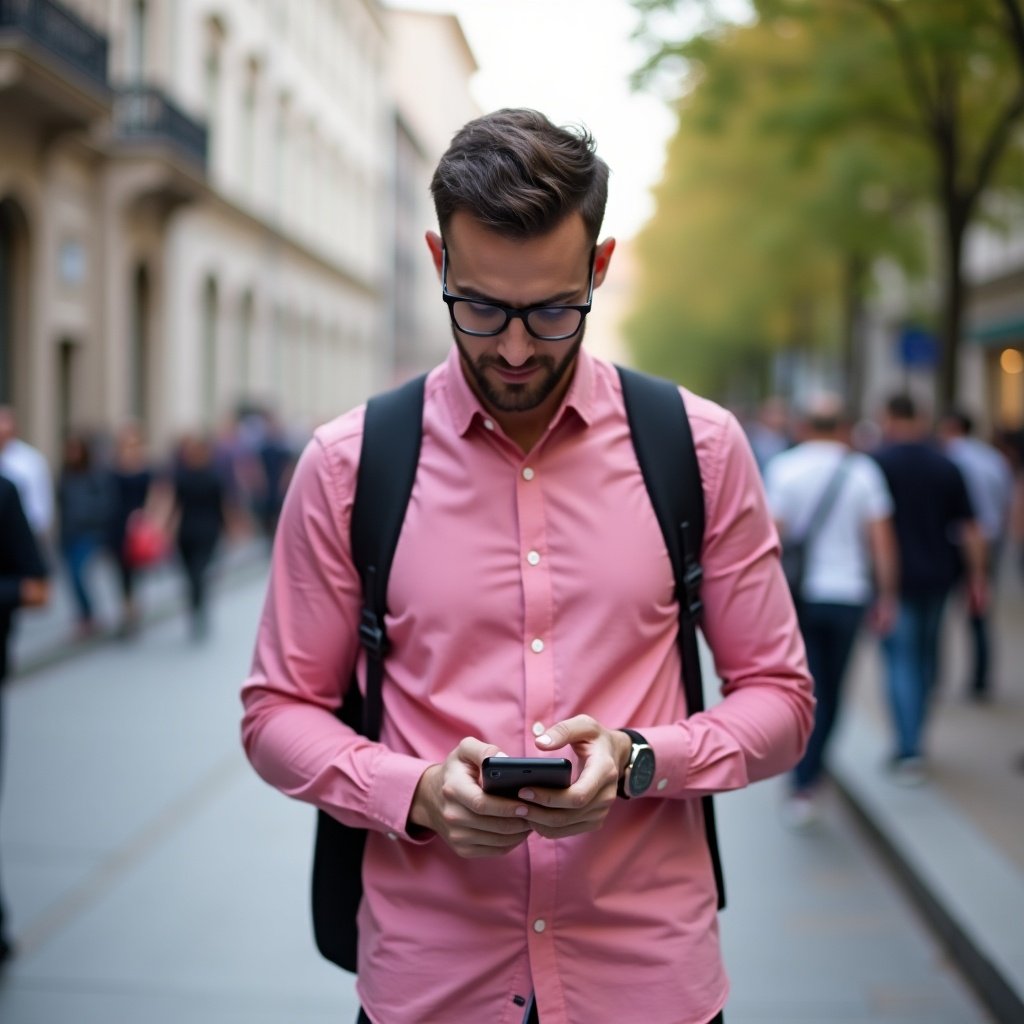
<point x="901" y="407"/>
<point x="825" y="412"/>
<point x="519" y="175"/>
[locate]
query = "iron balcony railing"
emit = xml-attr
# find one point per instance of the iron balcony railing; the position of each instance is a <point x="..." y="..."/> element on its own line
<point x="146" y="113"/>
<point x="62" y="33"/>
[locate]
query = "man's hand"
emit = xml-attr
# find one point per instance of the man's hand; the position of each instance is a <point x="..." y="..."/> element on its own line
<point x="583" y="807"/>
<point x="450" y="802"/>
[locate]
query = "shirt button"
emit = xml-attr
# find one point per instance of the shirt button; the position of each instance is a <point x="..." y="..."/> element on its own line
<point x="489" y="424"/>
<point x="527" y="473"/>
<point x="662" y="783"/>
<point x="533" y="558"/>
<point x="537" y="646"/>
<point x="392" y="835"/>
<point x="539" y="925"/>
<point x="538" y="728"/>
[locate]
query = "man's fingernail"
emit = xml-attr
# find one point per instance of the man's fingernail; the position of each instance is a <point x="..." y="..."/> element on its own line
<point x="544" y="740"/>
<point x="525" y="794"/>
<point x="522" y="811"/>
<point x="501" y="753"/>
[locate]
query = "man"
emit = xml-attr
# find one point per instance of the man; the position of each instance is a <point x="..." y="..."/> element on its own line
<point x="851" y="565"/>
<point x="26" y="467"/>
<point x="935" y="529"/>
<point x="531" y="611"/>
<point x="22" y="582"/>
<point x="989" y="481"/>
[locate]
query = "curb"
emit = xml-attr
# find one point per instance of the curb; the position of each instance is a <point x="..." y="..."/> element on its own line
<point x="969" y="893"/>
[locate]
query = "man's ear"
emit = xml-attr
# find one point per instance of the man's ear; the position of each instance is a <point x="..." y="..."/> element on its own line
<point x="436" y="246"/>
<point x="602" y="257"/>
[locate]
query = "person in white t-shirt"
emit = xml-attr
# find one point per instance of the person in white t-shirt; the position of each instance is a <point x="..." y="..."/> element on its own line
<point x="851" y="565"/>
<point x="26" y="467"/>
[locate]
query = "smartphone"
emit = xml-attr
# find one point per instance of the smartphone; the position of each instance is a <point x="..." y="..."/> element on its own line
<point x="505" y="776"/>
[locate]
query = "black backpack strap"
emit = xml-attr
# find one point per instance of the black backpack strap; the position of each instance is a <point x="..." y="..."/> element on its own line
<point x="387" y="470"/>
<point x="668" y="462"/>
<point x="390" y="453"/>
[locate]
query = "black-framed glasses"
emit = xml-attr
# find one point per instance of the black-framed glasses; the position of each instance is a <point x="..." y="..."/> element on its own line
<point x="482" y="318"/>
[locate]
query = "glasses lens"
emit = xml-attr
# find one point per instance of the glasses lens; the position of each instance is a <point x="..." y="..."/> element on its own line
<point x="554" y="322"/>
<point x="478" y="317"/>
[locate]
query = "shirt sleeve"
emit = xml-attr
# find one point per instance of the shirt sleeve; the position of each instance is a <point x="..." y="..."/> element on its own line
<point x="20" y="558"/>
<point x="305" y="654"/>
<point x="879" y="501"/>
<point x="761" y="725"/>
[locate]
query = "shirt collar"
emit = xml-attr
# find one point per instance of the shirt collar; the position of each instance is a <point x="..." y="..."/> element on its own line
<point x="466" y="407"/>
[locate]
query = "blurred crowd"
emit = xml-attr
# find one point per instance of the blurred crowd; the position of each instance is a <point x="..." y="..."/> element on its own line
<point x="881" y="522"/>
<point x="114" y="502"/>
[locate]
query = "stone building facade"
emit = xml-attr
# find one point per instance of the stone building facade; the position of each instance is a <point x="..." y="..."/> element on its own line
<point x="197" y="209"/>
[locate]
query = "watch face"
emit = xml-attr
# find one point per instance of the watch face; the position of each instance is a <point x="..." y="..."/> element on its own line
<point x="641" y="774"/>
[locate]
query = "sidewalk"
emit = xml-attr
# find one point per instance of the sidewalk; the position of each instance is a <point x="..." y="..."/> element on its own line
<point x="45" y="636"/>
<point x="957" y="843"/>
<point x="153" y="878"/>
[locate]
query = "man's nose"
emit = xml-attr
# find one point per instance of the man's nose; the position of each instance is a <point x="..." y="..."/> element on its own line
<point x="515" y="343"/>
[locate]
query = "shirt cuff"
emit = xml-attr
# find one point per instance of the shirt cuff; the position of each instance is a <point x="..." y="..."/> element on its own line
<point x="672" y="757"/>
<point x="394" y="786"/>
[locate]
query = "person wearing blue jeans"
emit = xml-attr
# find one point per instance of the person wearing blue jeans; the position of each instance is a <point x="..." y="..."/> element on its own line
<point x="940" y="543"/>
<point x="835" y="503"/>
<point x="829" y="630"/>
<point x="911" y="653"/>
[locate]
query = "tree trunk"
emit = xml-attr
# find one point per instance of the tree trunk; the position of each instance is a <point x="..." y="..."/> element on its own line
<point x="955" y="222"/>
<point x="852" y="356"/>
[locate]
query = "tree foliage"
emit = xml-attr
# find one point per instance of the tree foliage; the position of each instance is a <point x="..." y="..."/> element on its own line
<point x="808" y="138"/>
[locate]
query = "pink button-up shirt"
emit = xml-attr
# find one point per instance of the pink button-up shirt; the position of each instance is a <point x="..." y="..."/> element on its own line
<point x="527" y="589"/>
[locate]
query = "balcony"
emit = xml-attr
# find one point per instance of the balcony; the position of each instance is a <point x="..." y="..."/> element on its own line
<point x="144" y="114"/>
<point x="162" y="149"/>
<point x="53" y="66"/>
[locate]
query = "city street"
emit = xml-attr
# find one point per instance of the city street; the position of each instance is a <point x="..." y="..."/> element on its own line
<point x="154" y="879"/>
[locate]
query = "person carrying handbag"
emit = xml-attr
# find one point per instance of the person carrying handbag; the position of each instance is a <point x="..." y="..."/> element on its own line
<point x="842" y="562"/>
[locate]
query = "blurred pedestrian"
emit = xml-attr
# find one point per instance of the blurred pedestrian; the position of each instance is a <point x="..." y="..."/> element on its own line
<point x="84" y="506"/>
<point x="989" y="480"/>
<point x="937" y="536"/>
<point x="850" y="566"/>
<point x="26" y="467"/>
<point x="277" y="462"/>
<point x="770" y="431"/>
<point x="23" y="583"/>
<point x="133" y="478"/>
<point x="199" y="517"/>
<point x="532" y="610"/>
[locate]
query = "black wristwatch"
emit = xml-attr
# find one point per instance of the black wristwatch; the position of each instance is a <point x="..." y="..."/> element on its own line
<point x="639" y="773"/>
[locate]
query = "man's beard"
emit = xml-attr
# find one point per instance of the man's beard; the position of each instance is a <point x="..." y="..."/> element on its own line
<point x="526" y="396"/>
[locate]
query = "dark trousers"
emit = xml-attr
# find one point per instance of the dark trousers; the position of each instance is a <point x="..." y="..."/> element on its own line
<point x="829" y="631"/>
<point x="532" y="1019"/>
<point x="196" y="557"/>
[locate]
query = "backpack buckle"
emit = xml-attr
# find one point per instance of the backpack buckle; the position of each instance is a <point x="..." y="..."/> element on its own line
<point x="693" y="576"/>
<point x="372" y="635"/>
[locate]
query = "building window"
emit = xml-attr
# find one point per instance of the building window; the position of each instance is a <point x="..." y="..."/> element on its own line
<point x="137" y="32"/>
<point x="208" y="360"/>
<point x="140" y="347"/>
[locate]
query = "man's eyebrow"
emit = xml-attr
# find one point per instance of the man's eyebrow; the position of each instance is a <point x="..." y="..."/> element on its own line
<point x="558" y="299"/>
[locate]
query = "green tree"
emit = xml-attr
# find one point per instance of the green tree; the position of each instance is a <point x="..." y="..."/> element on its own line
<point x="763" y="236"/>
<point x="945" y="78"/>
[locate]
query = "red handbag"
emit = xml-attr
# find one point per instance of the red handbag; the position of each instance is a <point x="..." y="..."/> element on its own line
<point x="145" y="541"/>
